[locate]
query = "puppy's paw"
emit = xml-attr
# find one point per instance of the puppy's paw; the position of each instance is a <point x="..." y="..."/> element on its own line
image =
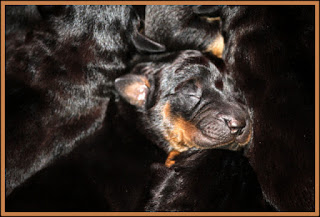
<point x="169" y="162"/>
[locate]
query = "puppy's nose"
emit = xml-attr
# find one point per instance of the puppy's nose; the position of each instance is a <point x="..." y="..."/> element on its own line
<point x="235" y="125"/>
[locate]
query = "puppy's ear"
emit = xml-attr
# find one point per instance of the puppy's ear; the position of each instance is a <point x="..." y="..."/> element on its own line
<point x="145" y="44"/>
<point x="133" y="88"/>
<point x="207" y="10"/>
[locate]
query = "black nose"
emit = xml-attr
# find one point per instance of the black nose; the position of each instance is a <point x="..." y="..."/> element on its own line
<point x="235" y="125"/>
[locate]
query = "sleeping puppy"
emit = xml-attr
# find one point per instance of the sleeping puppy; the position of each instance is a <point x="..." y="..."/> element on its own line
<point x="58" y="79"/>
<point x="185" y="102"/>
<point x="270" y="50"/>
<point x="179" y="28"/>
<point x="170" y="98"/>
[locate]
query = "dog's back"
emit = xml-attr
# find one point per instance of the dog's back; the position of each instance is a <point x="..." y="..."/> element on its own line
<point x="58" y="79"/>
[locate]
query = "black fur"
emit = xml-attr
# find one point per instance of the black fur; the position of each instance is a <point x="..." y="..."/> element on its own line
<point x="58" y="77"/>
<point x="21" y="18"/>
<point x="58" y="74"/>
<point x="178" y="28"/>
<point x="110" y="169"/>
<point x="107" y="171"/>
<point x="207" y="180"/>
<point x="186" y="102"/>
<point x="270" y="51"/>
<point x="199" y="180"/>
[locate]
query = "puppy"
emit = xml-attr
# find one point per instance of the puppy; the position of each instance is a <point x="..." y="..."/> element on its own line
<point x="57" y="81"/>
<point x="179" y="28"/>
<point x="185" y="102"/>
<point x="270" y="51"/>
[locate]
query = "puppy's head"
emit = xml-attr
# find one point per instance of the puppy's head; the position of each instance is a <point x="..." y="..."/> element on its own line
<point x="180" y="28"/>
<point x="184" y="101"/>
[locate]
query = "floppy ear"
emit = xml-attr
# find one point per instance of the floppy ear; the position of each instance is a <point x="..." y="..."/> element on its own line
<point x="145" y="44"/>
<point x="133" y="88"/>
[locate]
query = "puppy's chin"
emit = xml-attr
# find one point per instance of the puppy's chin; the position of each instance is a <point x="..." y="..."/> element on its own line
<point x="203" y="141"/>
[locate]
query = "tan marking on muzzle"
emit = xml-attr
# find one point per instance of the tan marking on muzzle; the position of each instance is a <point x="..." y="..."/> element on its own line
<point x="247" y="140"/>
<point x="178" y="132"/>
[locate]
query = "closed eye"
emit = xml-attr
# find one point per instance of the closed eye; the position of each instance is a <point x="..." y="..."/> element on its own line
<point x="193" y="97"/>
<point x="194" y="100"/>
<point x="190" y="88"/>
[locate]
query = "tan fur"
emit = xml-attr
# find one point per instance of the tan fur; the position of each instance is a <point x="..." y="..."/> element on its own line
<point x="132" y="92"/>
<point x="146" y="82"/>
<point x="217" y="46"/>
<point x="135" y="92"/>
<point x="179" y="132"/>
<point x="247" y="140"/>
<point x="169" y="162"/>
<point x="212" y="19"/>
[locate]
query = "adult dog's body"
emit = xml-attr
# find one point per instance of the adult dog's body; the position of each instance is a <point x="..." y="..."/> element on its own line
<point x="109" y="171"/>
<point x="58" y="74"/>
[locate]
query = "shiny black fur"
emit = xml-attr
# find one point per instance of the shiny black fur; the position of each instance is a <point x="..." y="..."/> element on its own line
<point x="58" y="77"/>
<point x="270" y="51"/>
<point x="207" y="181"/>
<point x="107" y="171"/>
<point x="299" y="195"/>
<point x="185" y="91"/>
<point x="117" y="169"/>
<point x="178" y="27"/>
<point x="21" y="18"/>
<point x="200" y="180"/>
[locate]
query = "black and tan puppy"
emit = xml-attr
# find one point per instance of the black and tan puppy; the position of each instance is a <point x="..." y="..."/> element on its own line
<point x="185" y="102"/>
<point x="270" y="51"/>
<point x="182" y="102"/>
<point x="179" y="28"/>
<point x="57" y="78"/>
